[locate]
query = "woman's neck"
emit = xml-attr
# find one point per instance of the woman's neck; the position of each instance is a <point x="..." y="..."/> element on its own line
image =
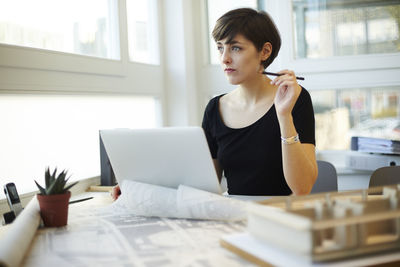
<point x="256" y="89"/>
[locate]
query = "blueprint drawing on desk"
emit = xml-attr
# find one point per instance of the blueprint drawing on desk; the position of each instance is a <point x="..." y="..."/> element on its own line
<point x="99" y="237"/>
<point x="147" y="226"/>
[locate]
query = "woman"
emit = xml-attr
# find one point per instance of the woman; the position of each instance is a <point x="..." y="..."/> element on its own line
<point x="261" y="134"/>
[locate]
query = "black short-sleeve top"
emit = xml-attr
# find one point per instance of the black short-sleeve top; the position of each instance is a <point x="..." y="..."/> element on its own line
<point x="251" y="157"/>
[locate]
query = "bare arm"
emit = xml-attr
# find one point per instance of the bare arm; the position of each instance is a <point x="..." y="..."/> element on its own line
<point x="299" y="162"/>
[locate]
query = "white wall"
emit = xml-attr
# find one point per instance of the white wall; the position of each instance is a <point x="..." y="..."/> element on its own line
<point x="179" y="64"/>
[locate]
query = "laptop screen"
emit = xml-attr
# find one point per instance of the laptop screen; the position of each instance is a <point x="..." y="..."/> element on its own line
<point x="167" y="156"/>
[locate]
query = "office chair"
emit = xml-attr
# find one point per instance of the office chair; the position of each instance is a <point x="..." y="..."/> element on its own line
<point x="385" y="176"/>
<point x="327" y="178"/>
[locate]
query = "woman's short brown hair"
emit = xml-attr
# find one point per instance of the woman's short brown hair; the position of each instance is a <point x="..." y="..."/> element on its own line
<point x="256" y="26"/>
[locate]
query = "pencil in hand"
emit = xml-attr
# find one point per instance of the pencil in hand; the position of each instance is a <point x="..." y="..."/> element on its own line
<point x="277" y="74"/>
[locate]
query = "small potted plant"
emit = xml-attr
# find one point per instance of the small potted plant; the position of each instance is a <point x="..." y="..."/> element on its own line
<point x="54" y="198"/>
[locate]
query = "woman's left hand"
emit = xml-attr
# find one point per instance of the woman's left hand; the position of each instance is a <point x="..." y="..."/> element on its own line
<point x="115" y="192"/>
<point x="287" y="93"/>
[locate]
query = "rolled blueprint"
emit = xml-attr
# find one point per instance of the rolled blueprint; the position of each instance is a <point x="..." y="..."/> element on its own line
<point x="16" y="240"/>
<point x="185" y="202"/>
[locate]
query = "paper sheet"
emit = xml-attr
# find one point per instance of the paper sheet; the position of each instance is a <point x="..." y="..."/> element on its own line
<point x="185" y="202"/>
<point x="94" y="237"/>
<point x="97" y="227"/>
<point x="16" y="240"/>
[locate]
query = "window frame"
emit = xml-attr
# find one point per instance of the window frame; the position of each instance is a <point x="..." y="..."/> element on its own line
<point x="342" y="72"/>
<point x="48" y="70"/>
<point x="335" y="72"/>
<point x="154" y="46"/>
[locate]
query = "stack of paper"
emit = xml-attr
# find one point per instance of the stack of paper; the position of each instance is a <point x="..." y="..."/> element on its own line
<point x="375" y="145"/>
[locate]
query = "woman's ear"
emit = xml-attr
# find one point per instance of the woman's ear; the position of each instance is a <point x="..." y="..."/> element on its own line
<point x="266" y="51"/>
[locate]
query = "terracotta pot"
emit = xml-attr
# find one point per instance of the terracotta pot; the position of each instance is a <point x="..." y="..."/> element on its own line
<point x="54" y="209"/>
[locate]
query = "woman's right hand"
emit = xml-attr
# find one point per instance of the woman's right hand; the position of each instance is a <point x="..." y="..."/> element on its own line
<point x="115" y="192"/>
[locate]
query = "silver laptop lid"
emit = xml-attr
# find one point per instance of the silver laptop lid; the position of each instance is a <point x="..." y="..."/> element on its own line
<point x="167" y="156"/>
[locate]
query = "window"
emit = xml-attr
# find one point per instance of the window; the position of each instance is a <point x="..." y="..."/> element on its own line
<point x="215" y="9"/>
<point x="52" y="104"/>
<point x="62" y="131"/>
<point x="340" y="114"/>
<point x="329" y="28"/>
<point x="349" y="50"/>
<point x="87" y="27"/>
<point x="143" y="31"/>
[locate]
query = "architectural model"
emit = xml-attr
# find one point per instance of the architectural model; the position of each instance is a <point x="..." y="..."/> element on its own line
<point x="330" y="226"/>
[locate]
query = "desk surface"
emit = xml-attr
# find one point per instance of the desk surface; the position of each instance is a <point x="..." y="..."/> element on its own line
<point x="95" y="236"/>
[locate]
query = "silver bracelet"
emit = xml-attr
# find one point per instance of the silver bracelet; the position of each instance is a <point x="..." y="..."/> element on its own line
<point x="290" y="140"/>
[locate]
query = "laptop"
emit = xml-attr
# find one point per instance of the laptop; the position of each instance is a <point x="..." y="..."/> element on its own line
<point x="168" y="156"/>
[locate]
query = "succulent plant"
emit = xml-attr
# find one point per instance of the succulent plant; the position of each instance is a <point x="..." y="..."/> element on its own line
<point x="55" y="184"/>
